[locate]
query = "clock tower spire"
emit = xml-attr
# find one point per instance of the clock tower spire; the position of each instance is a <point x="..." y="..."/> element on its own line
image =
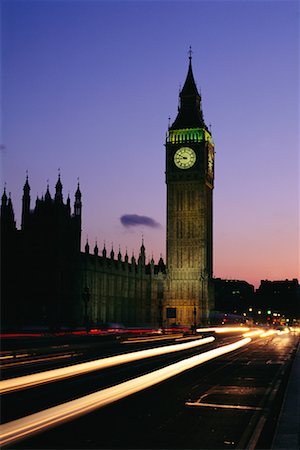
<point x="189" y="179"/>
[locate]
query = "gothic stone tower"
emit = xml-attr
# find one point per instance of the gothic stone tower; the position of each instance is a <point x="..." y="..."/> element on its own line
<point x="189" y="178"/>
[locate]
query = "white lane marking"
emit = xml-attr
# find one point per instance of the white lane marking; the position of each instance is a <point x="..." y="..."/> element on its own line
<point x="30" y="361"/>
<point x="218" y="405"/>
<point x="20" y="428"/>
<point x="27" y="381"/>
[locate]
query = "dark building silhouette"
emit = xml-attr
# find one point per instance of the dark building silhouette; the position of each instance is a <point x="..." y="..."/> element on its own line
<point x="281" y="296"/>
<point x="48" y="281"/>
<point x="233" y="296"/>
<point x="40" y="263"/>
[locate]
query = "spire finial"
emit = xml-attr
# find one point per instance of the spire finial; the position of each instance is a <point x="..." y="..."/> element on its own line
<point x="190" y="52"/>
<point x="59" y="172"/>
<point x="26" y="175"/>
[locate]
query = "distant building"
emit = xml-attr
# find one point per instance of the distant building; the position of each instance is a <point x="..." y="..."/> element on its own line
<point x="233" y="296"/>
<point x="282" y="296"/>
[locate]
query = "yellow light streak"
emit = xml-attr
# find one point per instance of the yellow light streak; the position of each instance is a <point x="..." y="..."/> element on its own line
<point x="25" y="426"/>
<point x="187" y="338"/>
<point x="150" y="338"/>
<point x="268" y="333"/>
<point x="285" y="331"/>
<point x="252" y="333"/>
<point x="36" y="379"/>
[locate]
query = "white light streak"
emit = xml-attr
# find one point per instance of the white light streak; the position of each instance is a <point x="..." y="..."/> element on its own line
<point x="223" y="329"/>
<point x="21" y="428"/>
<point x="79" y="369"/>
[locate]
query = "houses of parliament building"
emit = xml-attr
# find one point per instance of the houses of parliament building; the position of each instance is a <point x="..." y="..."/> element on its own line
<point x="46" y="280"/>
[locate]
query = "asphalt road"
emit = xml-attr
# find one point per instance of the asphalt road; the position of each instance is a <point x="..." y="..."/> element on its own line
<point x="229" y="402"/>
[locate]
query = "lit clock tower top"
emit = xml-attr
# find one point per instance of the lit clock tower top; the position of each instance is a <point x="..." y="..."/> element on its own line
<point x="190" y="113"/>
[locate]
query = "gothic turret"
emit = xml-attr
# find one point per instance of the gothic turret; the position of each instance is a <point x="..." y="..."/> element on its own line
<point x="126" y="257"/>
<point x="48" y="198"/>
<point x="7" y="213"/>
<point x="142" y="255"/>
<point x="112" y="253"/>
<point x="68" y="205"/>
<point x="77" y="203"/>
<point x="77" y="214"/>
<point x="119" y="255"/>
<point x="25" y="204"/>
<point x="3" y="201"/>
<point x="58" y="191"/>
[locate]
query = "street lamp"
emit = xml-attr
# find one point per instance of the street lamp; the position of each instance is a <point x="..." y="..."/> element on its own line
<point x="195" y="323"/>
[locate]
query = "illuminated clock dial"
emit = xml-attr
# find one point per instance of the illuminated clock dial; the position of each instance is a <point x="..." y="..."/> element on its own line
<point x="185" y="158"/>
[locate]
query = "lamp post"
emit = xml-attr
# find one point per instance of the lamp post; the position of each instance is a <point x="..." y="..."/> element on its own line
<point x="86" y="298"/>
<point x="195" y="322"/>
<point x="204" y="304"/>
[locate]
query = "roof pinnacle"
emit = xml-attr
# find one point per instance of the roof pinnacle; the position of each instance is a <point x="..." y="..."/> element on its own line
<point x="190" y="52"/>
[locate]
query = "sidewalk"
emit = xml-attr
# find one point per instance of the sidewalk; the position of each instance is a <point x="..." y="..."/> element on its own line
<point x="287" y="434"/>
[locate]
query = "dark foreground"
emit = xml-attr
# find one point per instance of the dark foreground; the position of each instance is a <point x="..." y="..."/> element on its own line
<point x="232" y="401"/>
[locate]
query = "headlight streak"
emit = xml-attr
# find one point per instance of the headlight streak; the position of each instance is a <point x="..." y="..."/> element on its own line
<point x="268" y="333"/>
<point x="150" y="339"/>
<point x="252" y="333"/>
<point x="21" y="428"/>
<point x="36" y="379"/>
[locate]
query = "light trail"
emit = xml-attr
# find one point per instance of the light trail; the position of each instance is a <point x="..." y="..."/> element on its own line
<point x="222" y="329"/>
<point x="132" y="340"/>
<point x="22" y="428"/>
<point x="48" y="376"/>
<point x="268" y="333"/>
<point x="252" y="333"/>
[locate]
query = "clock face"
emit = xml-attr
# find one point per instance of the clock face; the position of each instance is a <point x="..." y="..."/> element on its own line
<point x="185" y="158"/>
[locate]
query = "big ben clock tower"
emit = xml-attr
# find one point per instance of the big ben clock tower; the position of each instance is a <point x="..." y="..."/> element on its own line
<point x="190" y="180"/>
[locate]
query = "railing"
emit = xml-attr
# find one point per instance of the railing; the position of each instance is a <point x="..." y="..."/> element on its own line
<point x="189" y="135"/>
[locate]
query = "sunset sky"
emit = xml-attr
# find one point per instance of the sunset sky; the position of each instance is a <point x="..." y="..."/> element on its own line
<point x="88" y="86"/>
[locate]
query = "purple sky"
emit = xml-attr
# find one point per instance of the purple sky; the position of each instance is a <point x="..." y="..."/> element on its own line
<point x="88" y="86"/>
